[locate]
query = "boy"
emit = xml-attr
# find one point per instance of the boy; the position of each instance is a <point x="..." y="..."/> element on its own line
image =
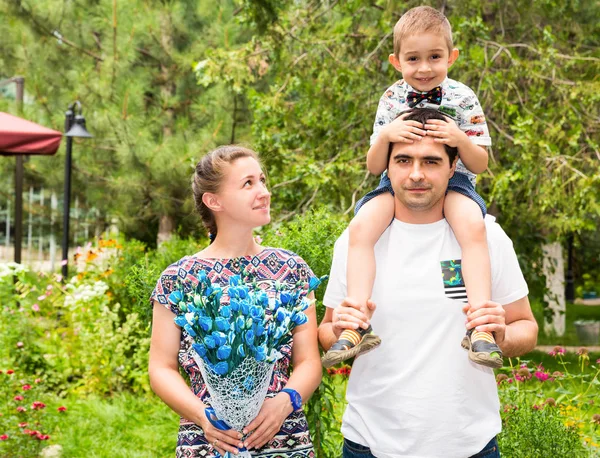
<point x="423" y="53"/>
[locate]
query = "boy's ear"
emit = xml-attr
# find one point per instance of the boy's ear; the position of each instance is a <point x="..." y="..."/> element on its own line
<point x="453" y="56"/>
<point x="395" y="62"/>
<point x="212" y="202"/>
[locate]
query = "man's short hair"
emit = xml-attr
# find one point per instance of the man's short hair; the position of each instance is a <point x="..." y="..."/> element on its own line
<point x="421" y="115"/>
<point x="422" y="19"/>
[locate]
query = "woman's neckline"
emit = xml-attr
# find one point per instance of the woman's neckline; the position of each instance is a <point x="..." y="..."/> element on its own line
<point x="245" y="256"/>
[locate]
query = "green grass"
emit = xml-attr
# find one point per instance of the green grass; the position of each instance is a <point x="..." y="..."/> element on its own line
<point x="125" y="426"/>
<point x="574" y="313"/>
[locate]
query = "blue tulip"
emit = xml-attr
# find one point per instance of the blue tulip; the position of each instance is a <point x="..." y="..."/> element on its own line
<point x="256" y="313"/>
<point x="245" y="307"/>
<point x="261" y="353"/>
<point x="239" y="324"/>
<point x="285" y="298"/>
<point x="262" y="299"/>
<point x="235" y="304"/>
<point x="299" y="319"/>
<point x="221" y="368"/>
<point x="225" y="311"/>
<point x="259" y="329"/>
<point x="175" y="297"/>
<point x="201" y="276"/>
<point x="208" y="291"/>
<point x="206" y="323"/>
<point x="220" y="338"/>
<point x="281" y="314"/>
<point x="315" y="282"/>
<point x="210" y="341"/>
<point x="230" y="336"/>
<point x="221" y="324"/>
<point x="249" y="337"/>
<point x="180" y="320"/>
<point x="200" y="349"/>
<point x="218" y="293"/>
<point x="234" y="280"/>
<point x="223" y="352"/>
<point x="189" y="330"/>
<point x="240" y="351"/>
<point x="243" y="292"/>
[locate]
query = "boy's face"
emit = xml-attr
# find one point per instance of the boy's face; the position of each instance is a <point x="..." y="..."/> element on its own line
<point x="424" y="60"/>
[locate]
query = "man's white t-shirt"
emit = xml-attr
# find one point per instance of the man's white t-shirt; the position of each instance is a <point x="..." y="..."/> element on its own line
<point x="417" y="395"/>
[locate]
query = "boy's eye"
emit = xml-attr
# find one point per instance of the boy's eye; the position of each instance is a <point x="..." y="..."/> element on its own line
<point x="412" y="59"/>
<point x="436" y="56"/>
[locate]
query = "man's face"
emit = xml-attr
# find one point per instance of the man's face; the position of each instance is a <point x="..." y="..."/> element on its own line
<point x="419" y="173"/>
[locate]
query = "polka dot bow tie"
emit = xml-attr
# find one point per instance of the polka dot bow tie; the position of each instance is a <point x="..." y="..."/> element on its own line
<point x="434" y="96"/>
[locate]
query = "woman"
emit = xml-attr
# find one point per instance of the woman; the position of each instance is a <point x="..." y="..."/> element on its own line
<point x="232" y="198"/>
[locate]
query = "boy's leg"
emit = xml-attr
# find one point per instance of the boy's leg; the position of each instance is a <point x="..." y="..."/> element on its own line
<point x="465" y="219"/>
<point x="365" y="229"/>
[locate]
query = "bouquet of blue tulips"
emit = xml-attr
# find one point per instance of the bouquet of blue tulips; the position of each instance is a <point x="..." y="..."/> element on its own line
<point x="237" y="343"/>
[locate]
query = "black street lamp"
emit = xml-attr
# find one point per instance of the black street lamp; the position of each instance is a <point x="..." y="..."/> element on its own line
<point x="74" y="127"/>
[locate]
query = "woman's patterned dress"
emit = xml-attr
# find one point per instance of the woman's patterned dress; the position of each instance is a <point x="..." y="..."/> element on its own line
<point x="270" y="265"/>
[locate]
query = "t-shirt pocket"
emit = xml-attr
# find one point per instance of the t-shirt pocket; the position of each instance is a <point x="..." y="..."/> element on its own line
<point x="454" y="284"/>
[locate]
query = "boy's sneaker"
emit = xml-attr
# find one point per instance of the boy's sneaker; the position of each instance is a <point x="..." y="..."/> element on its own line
<point x="352" y="342"/>
<point x="482" y="348"/>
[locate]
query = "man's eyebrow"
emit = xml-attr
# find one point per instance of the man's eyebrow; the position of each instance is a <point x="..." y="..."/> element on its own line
<point x="425" y="158"/>
<point x="402" y="156"/>
<point x="432" y="158"/>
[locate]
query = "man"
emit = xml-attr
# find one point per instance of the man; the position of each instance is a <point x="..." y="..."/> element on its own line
<point x="418" y="395"/>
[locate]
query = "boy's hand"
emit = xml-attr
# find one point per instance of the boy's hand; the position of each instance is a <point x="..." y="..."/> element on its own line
<point x="446" y="132"/>
<point x="401" y="131"/>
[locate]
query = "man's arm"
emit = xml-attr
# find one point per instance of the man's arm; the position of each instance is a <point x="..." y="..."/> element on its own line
<point x="345" y="316"/>
<point x="520" y="335"/>
<point x="513" y="324"/>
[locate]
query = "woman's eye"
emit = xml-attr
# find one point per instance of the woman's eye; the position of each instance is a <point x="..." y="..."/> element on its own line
<point x="248" y="182"/>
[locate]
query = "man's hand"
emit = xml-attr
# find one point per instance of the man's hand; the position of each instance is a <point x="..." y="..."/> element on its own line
<point x="350" y="315"/>
<point x="488" y="316"/>
<point x="446" y="132"/>
<point x="401" y="131"/>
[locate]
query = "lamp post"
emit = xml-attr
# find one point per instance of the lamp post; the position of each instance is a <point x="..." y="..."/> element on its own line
<point x="74" y="127"/>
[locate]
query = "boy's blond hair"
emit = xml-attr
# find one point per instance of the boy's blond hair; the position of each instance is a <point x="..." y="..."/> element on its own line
<point x="422" y="19"/>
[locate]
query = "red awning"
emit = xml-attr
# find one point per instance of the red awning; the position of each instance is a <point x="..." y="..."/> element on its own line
<point x="18" y="136"/>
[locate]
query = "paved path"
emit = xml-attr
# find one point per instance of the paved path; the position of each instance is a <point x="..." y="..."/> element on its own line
<point x="547" y="348"/>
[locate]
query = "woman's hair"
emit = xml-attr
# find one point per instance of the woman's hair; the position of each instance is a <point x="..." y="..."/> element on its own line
<point x="208" y="177"/>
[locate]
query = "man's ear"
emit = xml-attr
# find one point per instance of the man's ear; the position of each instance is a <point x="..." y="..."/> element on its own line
<point x="212" y="201"/>
<point x="453" y="56"/>
<point x="395" y="62"/>
<point x="453" y="167"/>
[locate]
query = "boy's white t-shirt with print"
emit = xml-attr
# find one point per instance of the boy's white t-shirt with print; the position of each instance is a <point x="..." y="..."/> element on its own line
<point x="417" y="395"/>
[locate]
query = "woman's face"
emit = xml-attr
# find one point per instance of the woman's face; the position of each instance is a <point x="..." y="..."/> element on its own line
<point x="244" y="197"/>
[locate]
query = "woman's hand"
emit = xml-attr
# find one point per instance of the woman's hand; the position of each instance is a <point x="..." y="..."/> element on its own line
<point x="268" y="422"/>
<point x="223" y="441"/>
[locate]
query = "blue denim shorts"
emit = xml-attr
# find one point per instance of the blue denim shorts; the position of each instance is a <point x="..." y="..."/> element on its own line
<point x="354" y="450"/>
<point x="458" y="183"/>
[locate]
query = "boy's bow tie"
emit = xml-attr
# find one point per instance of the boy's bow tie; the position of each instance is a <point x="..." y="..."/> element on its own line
<point x="434" y="96"/>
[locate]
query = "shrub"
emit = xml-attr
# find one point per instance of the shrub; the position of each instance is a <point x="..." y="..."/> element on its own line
<point x="25" y="423"/>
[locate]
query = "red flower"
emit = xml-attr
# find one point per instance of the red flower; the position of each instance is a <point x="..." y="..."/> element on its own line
<point x="62" y="409"/>
<point x="3" y="437"/>
<point x="22" y="425"/>
<point x="42" y="437"/>
<point x="10" y="371"/>
<point x="19" y="398"/>
<point x="38" y="380"/>
<point x="38" y="405"/>
<point x="21" y="409"/>
<point x="26" y="387"/>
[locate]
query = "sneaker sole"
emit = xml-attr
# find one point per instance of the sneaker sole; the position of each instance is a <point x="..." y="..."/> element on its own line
<point x="483" y="359"/>
<point x="367" y="343"/>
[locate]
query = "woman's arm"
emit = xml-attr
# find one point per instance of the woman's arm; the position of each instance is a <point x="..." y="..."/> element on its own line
<point x="169" y="385"/>
<point x="304" y="379"/>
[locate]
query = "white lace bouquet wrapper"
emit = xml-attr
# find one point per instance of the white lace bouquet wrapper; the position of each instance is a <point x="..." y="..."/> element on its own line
<point x="238" y="396"/>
